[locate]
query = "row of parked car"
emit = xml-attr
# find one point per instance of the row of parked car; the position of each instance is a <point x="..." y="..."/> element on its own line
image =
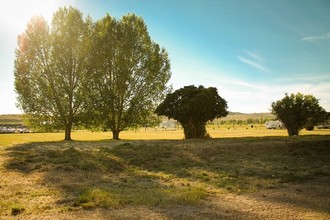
<point x="324" y="126"/>
<point x="280" y="125"/>
<point x="13" y="130"/>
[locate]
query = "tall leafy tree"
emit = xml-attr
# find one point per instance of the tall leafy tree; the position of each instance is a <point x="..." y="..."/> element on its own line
<point x="130" y="76"/>
<point x="193" y="107"/>
<point x="297" y="111"/>
<point x="51" y="69"/>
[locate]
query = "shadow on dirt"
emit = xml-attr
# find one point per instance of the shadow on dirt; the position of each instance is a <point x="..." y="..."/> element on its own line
<point x="173" y="176"/>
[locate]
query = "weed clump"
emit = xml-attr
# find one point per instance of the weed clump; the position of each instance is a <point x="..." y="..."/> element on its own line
<point x="97" y="197"/>
<point x="17" y="209"/>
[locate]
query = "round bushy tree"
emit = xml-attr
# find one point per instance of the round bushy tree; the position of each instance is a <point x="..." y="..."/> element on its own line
<point x="298" y="111"/>
<point x="193" y="107"/>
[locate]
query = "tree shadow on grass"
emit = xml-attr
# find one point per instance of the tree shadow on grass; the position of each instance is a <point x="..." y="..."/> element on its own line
<point x="94" y="177"/>
<point x="169" y="175"/>
<point x="244" y="165"/>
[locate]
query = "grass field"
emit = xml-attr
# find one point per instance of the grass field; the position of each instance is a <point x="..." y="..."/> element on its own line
<point x="151" y="134"/>
<point x="239" y="174"/>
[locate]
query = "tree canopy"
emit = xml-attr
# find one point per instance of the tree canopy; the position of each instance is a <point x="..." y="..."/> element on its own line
<point x="129" y="76"/>
<point x="298" y="111"/>
<point x="51" y="69"/>
<point x="193" y="107"/>
<point x="107" y="73"/>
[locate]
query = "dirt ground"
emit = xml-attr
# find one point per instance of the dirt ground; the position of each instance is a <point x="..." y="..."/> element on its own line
<point x="308" y="199"/>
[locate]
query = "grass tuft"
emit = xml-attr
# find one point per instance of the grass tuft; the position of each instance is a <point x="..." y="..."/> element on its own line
<point x="97" y="198"/>
<point x="17" y="209"/>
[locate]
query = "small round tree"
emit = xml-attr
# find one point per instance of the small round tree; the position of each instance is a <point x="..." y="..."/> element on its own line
<point x="193" y="107"/>
<point x="298" y="111"/>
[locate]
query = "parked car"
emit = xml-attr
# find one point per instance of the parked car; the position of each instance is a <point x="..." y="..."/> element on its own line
<point x="22" y="130"/>
<point x="274" y="125"/>
<point x="323" y="127"/>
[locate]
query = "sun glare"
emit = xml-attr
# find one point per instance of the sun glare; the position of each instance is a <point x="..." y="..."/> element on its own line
<point x="15" y="14"/>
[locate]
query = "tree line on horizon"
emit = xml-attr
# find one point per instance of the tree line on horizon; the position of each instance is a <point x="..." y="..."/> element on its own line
<point x="110" y="74"/>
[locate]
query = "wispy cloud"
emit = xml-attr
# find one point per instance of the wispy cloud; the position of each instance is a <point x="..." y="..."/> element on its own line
<point x="254" y="55"/>
<point x="240" y="83"/>
<point x="254" y="62"/>
<point x="262" y="95"/>
<point x="317" y="38"/>
<point x="312" y="78"/>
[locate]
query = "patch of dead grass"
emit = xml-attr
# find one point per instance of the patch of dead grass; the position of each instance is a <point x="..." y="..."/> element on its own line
<point x="67" y="178"/>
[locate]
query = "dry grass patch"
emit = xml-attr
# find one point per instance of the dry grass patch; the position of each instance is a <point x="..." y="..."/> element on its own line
<point x="174" y="178"/>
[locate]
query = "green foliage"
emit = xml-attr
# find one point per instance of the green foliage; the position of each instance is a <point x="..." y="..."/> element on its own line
<point x="51" y="69"/>
<point x="108" y="74"/>
<point x="298" y="111"/>
<point x="129" y="76"/>
<point x="193" y="107"/>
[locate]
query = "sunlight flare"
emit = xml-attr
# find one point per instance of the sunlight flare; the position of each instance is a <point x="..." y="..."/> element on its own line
<point x="15" y="14"/>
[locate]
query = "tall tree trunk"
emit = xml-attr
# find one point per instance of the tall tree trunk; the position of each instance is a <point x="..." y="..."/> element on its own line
<point x="194" y="130"/>
<point x="115" y="134"/>
<point x="68" y="132"/>
<point x="293" y="131"/>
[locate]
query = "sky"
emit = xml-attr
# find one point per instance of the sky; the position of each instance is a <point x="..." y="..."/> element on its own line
<point x="252" y="51"/>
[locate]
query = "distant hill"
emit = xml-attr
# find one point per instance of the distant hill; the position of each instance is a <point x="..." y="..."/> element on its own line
<point x="11" y="119"/>
<point x="17" y="119"/>
<point x="246" y="116"/>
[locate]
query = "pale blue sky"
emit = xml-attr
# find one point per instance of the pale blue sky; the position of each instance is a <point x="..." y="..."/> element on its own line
<point x="253" y="51"/>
